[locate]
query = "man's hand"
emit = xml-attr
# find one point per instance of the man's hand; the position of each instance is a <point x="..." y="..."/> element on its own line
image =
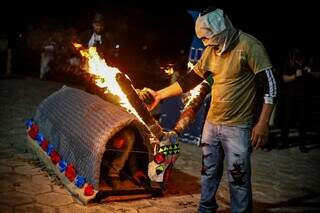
<point x="170" y="91"/>
<point x="260" y="135"/>
<point x="150" y="97"/>
<point x="172" y="136"/>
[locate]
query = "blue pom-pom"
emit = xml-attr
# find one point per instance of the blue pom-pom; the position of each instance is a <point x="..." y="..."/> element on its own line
<point x="29" y="123"/>
<point x="39" y="138"/>
<point x="62" y="165"/>
<point x="173" y="139"/>
<point x="80" y="181"/>
<point x="50" y="149"/>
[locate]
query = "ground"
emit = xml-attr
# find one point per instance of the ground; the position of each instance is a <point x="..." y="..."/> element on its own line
<point x="283" y="180"/>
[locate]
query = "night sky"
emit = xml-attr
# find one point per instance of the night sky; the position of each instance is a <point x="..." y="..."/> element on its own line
<point x="279" y="27"/>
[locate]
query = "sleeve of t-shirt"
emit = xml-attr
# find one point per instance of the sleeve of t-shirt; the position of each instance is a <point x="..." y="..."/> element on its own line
<point x="258" y="59"/>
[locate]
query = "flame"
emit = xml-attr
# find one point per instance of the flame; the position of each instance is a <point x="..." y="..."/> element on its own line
<point x="77" y="45"/>
<point x="195" y="91"/>
<point x="193" y="94"/>
<point x="105" y="76"/>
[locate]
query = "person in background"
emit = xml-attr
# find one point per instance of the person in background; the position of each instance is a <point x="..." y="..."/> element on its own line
<point x="47" y="55"/>
<point x="101" y="38"/>
<point x="296" y="75"/>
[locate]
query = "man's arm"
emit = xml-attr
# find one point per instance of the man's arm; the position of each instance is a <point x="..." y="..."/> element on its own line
<point x="289" y="78"/>
<point x="260" y="132"/>
<point x="183" y="84"/>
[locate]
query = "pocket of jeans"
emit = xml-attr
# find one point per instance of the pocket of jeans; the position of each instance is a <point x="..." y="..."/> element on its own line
<point x="245" y="131"/>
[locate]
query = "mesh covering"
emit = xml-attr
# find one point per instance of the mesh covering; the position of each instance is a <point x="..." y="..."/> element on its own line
<point x="80" y="125"/>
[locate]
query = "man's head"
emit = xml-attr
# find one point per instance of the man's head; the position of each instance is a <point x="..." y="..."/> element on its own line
<point x="214" y="28"/>
<point x="98" y="23"/>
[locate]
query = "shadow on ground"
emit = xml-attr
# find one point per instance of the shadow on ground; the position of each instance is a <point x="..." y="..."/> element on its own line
<point x="311" y="142"/>
<point x="181" y="183"/>
<point x="299" y="204"/>
<point x="304" y="203"/>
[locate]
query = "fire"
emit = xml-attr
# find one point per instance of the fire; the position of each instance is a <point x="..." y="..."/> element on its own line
<point x="193" y="94"/>
<point x="105" y="76"/>
<point x="195" y="91"/>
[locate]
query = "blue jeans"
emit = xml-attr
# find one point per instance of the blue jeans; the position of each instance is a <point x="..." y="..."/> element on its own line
<point x="233" y="142"/>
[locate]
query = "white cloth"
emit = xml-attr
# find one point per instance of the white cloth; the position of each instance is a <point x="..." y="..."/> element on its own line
<point x="47" y="55"/>
<point x="210" y="24"/>
<point x="95" y="38"/>
<point x="217" y="29"/>
<point x="44" y="66"/>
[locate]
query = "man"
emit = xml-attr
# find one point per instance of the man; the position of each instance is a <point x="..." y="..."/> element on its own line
<point x="239" y="65"/>
<point x="100" y="38"/>
<point x="297" y="76"/>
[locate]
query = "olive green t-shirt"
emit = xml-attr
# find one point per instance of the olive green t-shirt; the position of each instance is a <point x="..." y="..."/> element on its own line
<point x="233" y="90"/>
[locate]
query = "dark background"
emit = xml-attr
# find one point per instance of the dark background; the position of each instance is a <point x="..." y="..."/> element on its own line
<point x="166" y="28"/>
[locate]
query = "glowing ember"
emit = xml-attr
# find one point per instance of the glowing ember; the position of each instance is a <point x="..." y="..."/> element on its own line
<point x="105" y="77"/>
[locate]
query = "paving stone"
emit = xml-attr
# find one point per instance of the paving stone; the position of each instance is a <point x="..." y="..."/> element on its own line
<point x="17" y="131"/>
<point x="152" y="209"/>
<point x="6" y="209"/>
<point x="24" y="156"/>
<point x="27" y="170"/>
<point x="169" y="204"/>
<point x="54" y="199"/>
<point x="6" y="153"/>
<point x="5" y="169"/>
<point x="132" y="204"/>
<point x="186" y="210"/>
<point x="76" y="208"/>
<point x="41" y="179"/>
<point x="61" y="190"/>
<point x="12" y="162"/>
<point x="33" y="188"/>
<point x="13" y="198"/>
<point x="15" y="179"/>
<point x="126" y="210"/>
<point x="5" y="145"/>
<point x="6" y="186"/>
<point x="34" y="208"/>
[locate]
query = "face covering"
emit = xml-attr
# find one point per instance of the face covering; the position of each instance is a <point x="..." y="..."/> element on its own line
<point x="215" y="29"/>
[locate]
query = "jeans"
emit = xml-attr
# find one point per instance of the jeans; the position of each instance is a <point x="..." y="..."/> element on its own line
<point x="233" y="142"/>
<point x="123" y="154"/>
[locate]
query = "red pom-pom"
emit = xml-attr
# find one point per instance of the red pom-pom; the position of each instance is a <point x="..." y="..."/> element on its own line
<point x="159" y="158"/>
<point x="89" y="190"/>
<point x="34" y="130"/>
<point x="70" y="172"/>
<point x="119" y="143"/>
<point x="55" y="157"/>
<point x="44" y="145"/>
